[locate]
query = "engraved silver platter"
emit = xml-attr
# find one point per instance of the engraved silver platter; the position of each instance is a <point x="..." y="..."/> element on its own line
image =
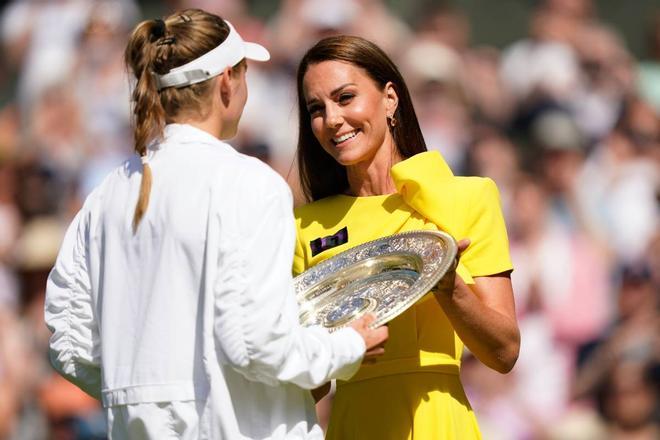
<point x="384" y="276"/>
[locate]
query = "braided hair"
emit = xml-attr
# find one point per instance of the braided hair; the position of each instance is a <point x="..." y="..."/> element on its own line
<point x="154" y="48"/>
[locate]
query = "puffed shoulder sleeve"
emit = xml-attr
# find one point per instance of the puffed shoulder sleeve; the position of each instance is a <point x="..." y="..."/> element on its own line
<point x="488" y="253"/>
<point x="256" y="313"/>
<point x="465" y="207"/>
<point x="69" y="312"/>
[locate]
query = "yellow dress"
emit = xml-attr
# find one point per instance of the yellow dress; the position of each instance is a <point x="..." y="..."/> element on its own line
<point x="414" y="390"/>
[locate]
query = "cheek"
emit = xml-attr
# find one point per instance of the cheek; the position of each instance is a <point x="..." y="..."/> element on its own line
<point x="378" y="129"/>
<point x="370" y="114"/>
<point x="245" y="93"/>
<point x="317" y="128"/>
<point x="361" y="112"/>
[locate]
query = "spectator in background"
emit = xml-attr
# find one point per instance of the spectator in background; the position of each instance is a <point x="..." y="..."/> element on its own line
<point x="607" y="79"/>
<point x="562" y="302"/>
<point x="43" y="39"/>
<point x="618" y="186"/>
<point x="10" y="222"/>
<point x="492" y="154"/>
<point x="47" y="404"/>
<point x="649" y="68"/>
<point x="620" y="369"/>
<point x="13" y="363"/>
<point x="435" y="73"/>
<point x="54" y="133"/>
<point x="631" y="336"/>
<point x="101" y="92"/>
<point x="543" y="66"/>
<point x="629" y="401"/>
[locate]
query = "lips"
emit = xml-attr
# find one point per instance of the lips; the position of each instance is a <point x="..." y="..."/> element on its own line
<point x="344" y="137"/>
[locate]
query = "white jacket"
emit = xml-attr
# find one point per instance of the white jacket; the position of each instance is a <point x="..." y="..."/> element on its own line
<point x="197" y="306"/>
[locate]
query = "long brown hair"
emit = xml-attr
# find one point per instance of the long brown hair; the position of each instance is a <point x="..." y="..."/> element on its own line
<point x="320" y="175"/>
<point x="156" y="47"/>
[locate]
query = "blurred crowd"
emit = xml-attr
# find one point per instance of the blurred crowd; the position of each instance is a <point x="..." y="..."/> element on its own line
<point x="566" y="121"/>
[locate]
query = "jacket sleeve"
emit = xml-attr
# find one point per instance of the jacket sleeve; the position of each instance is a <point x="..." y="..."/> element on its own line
<point x="256" y="313"/>
<point x="299" y="265"/>
<point x="69" y="313"/>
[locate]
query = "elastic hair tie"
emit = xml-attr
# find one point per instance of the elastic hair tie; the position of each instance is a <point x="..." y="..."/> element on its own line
<point x="165" y="40"/>
<point x="158" y="30"/>
<point x="144" y="159"/>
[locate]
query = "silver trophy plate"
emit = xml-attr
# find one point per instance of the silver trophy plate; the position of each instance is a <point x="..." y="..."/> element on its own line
<point x="384" y="276"/>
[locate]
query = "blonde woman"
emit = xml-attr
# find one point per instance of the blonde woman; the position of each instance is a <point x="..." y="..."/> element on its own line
<point x="171" y="299"/>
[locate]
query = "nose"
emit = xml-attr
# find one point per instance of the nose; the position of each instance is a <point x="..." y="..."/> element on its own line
<point x="333" y="117"/>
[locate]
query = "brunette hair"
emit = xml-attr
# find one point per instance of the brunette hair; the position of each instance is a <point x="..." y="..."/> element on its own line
<point x="156" y="47"/>
<point x="320" y="175"/>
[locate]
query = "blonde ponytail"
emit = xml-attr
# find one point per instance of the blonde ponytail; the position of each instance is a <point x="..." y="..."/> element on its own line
<point x="143" y="199"/>
<point x="156" y="47"/>
<point x="149" y="115"/>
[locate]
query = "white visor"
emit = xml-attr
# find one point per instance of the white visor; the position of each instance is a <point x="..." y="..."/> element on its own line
<point x="229" y="53"/>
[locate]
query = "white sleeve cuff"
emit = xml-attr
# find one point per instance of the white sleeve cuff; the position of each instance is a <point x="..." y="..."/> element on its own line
<point x="349" y="348"/>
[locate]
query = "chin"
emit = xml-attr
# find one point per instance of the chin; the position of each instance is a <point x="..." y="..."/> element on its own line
<point x="348" y="163"/>
<point x="350" y="159"/>
<point x="345" y="161"/>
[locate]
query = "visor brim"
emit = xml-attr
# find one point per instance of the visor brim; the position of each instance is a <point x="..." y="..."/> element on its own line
<point x="256" y="52"/>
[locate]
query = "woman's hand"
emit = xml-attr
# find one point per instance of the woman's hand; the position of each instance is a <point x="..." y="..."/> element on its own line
<point x="374" y="339"/>
<point x="448" y="282"/>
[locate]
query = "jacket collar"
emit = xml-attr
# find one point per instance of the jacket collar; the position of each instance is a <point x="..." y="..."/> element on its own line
<point x="187" y="134"/>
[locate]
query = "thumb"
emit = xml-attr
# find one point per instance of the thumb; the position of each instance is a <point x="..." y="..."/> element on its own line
<point x="368" y="319"/>
<point x="463" y="244"/>
<point x="363" y="322"/>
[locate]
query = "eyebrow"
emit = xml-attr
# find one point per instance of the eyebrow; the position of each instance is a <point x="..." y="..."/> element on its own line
<point x="334" y="92"/>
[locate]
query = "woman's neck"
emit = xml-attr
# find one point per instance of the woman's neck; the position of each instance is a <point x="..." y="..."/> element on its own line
<point x="208" y="125"/>
<point x="372" y="177"/>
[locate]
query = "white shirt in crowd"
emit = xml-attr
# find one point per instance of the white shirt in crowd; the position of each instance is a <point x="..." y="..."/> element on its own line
<point x="188" y="328"/>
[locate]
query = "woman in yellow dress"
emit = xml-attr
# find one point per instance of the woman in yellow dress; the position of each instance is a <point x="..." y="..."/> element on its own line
<point x="365" y="170"/>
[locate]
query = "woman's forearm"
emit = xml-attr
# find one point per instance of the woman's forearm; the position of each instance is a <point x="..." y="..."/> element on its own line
<point x="483" y="316"/>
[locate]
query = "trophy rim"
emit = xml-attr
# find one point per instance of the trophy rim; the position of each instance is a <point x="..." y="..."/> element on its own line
<point x="420" y="287"/>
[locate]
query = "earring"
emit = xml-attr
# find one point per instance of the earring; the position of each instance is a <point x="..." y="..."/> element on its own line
<point x="392" y="120"/>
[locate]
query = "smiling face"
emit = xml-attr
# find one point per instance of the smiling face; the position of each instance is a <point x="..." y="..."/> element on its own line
<point x="348" y="111"/>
